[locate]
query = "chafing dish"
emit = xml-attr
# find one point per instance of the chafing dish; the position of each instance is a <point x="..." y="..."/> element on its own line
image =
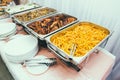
<point x="21" y="8"/>
<point x="3" y="14"/>
<point x="86" y="35"/>
<point x="31" y="15"/>
<point x="42" y="28"/>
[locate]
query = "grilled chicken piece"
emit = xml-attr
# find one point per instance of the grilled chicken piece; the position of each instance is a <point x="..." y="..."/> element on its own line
<point x="54" y="28"/>
<point x="71" y="19"/>
<point x="52" y="23"/>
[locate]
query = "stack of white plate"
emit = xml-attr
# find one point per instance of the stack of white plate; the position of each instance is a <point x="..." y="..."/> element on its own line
<point x="21" y="48"/>
<point x="7" y="29"/>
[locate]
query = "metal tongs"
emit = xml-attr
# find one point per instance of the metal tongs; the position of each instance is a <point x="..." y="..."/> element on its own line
<point x="38" y="62"/>
<point x="72" y="51"/>
<point x="71" y="63"/>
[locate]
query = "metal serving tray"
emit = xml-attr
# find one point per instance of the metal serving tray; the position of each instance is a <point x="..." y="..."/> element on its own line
<point x="5" y="15"/>
<point x="33" y="14"/>
<point x="62" y="54"/>
<point x="21" y="8"/>
<point x="48" y="25"/>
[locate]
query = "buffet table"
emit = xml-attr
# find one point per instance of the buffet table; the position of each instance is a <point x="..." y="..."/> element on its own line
<point x="97" y="67"/>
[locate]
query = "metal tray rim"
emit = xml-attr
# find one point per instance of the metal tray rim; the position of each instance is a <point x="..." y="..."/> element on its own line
<point x="32" y="20"/>
<point x="36" y="6"/>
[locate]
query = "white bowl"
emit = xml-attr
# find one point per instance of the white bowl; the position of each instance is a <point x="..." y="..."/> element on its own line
<point x="21" y="48"/>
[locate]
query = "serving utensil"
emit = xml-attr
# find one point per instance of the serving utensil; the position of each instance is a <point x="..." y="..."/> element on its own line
<point x="38" y="62"/>
<point x="72" y="51"/>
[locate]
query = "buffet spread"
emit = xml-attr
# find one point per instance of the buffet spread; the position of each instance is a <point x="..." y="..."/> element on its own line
<point x="71" y="40"/>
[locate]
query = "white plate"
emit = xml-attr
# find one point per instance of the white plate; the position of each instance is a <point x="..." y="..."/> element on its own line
<point x="8" y="34"/>
<point x="20" y="48"/>
<point x="22" y="58"/>
<point x="6" y="20"/>
<point x="6" y="28"/>
<point x="37" y="69"/>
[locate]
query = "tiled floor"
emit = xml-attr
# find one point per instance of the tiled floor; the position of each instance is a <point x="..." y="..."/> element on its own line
<point x="4" y="73"/>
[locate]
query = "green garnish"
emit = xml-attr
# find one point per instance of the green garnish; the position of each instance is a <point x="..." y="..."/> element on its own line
<point x="21" y="8"/>
<point x="9" y="9"/>
<point x="29" y="4"/>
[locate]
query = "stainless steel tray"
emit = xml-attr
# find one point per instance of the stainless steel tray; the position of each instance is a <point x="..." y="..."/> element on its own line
<point x="33" y="14"/>
<point x="21" y="8"/>
<point x="5" y="15"/>
<point x="42" y="36"/>
<point x="62" y="54"/>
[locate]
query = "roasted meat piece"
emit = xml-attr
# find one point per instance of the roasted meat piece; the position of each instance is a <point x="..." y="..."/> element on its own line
<point x="51" y="24"/>
<point x="5" y="2"/>
<point x="34" y="14"/>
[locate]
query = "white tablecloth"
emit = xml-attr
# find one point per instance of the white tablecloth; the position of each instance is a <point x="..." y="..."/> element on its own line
<point x="97" y="68"/>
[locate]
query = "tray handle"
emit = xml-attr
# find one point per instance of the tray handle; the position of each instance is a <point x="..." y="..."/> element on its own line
<point x="63" y="59"/>
<point x="58" y="54"/>
<point x="103" y="43"/>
